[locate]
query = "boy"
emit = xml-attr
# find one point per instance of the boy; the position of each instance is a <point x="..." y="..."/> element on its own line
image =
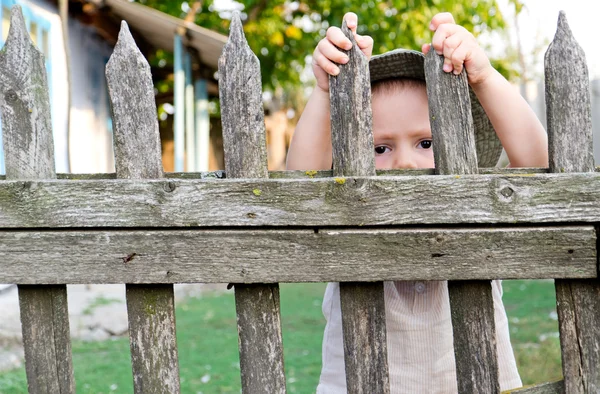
<point x="419" y="332"/>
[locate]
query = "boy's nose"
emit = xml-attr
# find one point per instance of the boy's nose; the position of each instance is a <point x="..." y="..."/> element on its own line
<point x="404" y="161"/>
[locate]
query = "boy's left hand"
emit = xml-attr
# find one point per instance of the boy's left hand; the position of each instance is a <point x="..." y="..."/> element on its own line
<point x="459" y="48"/>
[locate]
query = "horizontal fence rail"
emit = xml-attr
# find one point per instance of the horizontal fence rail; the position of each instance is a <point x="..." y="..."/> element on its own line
<point x="360" y="201"/>
<point x="330" y="255"/>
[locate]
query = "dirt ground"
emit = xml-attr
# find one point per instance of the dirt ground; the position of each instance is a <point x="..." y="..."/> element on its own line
<point x="96" y="312"/>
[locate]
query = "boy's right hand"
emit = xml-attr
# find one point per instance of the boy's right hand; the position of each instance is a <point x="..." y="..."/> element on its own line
<point x="327" y="52"/>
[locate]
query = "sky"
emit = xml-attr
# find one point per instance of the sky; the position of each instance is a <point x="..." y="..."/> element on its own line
<point x="537" y="24"/>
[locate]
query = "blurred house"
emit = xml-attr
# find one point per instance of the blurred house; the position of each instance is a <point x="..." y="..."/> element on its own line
<point x="78" y="94"/>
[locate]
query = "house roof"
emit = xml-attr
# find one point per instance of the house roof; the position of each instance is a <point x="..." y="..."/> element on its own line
<point x="159" y="29"/>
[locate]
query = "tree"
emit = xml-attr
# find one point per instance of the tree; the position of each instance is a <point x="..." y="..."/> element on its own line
<point x="283" y="33"/>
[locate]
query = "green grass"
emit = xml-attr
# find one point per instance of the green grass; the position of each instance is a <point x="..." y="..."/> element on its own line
<point x="531" y="310"/>
<point x="208" y="353"/>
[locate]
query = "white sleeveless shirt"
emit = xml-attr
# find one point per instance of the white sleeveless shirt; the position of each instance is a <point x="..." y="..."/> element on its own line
<point x="419" y="340"/>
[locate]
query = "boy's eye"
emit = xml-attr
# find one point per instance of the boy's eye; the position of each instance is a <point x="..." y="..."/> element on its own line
<point x="381" y="149"/>
<point x="425" y="144"/>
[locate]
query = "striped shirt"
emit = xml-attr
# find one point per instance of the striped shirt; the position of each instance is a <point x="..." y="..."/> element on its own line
<point x="419" y="340"/>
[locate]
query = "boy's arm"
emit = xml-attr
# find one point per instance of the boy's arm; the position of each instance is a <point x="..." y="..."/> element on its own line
<point x="521" y="133"/>
<point x="310" y="148"/>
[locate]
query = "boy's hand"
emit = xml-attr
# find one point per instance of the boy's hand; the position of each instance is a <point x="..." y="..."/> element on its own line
<point x="327" y="52"/>
<point x="459" y="48"/>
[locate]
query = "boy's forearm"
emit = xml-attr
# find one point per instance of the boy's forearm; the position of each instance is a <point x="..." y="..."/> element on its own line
<point x="520" y="131"/>
<point x="310" y="148"/>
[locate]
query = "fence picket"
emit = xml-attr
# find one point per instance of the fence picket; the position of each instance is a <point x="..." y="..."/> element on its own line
<point x="471" y="302"/>
<point x="150" y="308"/>
<point x="244" y="142"/>
<point x="362" y="304"/>
<point x="570" y="149"/>
<point x="29" y="154"/>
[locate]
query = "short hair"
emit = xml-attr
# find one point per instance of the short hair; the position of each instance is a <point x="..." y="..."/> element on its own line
<point x="394" y="85"/>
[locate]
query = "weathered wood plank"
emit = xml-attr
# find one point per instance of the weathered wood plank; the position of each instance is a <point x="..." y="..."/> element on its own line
<point x="254" y="256"/>
<point x="46" y="339"/>
<point x="150" y="308"/>
<point x="537" y="198"/>
<point x="568" y="103"/>
<point x="364" y="331"/>
<point x="151" y="314"/>
<point x="471" y="302"/>
<point x="450" y="118"/>
<point x="570" y="150"/>
<point x="258" y="309"/>
<point x="351" y="129"/>
<point x="362" y="304"/>
<point x="242" y="113"/>
<point x="244" y="141"/>
<point x="29" y="154"/>
<point x="544" y="388"/>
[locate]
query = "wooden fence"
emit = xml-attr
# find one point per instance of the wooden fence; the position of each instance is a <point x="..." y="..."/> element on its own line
<point x="256" y="228"/>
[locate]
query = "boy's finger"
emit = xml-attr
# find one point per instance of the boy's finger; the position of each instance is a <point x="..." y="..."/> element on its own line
<point x="321" y="61"/>
<point x="439" y="19"/>
<point x="337" y="38"/>
<point x="351" y="21"/>
<point x="450" y="45"/>
<point x="460" y="55"/>
<point x="448" y="66"/>
<point x="444" y="31"/>
<point x="425" y="48"/>
<point x="331" y="52"/>
<point x="365" y="43"/>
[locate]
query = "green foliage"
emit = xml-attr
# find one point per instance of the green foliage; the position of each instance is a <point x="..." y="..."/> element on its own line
<point x="282" y="33"/>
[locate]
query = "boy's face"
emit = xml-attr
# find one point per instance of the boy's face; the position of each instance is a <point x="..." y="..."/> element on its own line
<point x="401" y="129"/>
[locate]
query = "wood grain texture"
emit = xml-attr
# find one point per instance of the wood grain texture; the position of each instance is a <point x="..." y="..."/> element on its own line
<point x="544" y="388"/>
<point x="29" y="154"/>
<point x="242" y="113"/>
<point x="471" y="302"/>
<point x="25" y="103"/>
<point x="362" y="304"/>
<point x="136" y="137"/>
<point x="568" y="103"/>
<point x="485" y="199"/>
<point x="259" y="336"/>
<point x="570" y="150"/>
<point x="351" y="115"/>
<point x="150" y="308"/>
<point x="151" y="313"/>
<point x="254" y="256"/>
<point x="244" y="140"/>
<point x="364" y="331"/>
<point x="450" y="119"/>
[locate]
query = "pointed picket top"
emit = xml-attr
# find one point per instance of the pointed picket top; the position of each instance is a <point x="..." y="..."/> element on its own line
<point x="242" y="113"/>
<point x="236" y="31"/>
<point x="25" y="103"/>
<point x="351" y="115"/>
<point x="136" y="135"/>
<point x="568" y="103"/>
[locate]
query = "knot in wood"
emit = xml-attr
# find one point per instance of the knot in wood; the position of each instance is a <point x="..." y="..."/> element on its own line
<point x="11" y="96"/>
<point x="503" y="191"/>
<point x="170" y="187"/>
<point x="507" y="191"/>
